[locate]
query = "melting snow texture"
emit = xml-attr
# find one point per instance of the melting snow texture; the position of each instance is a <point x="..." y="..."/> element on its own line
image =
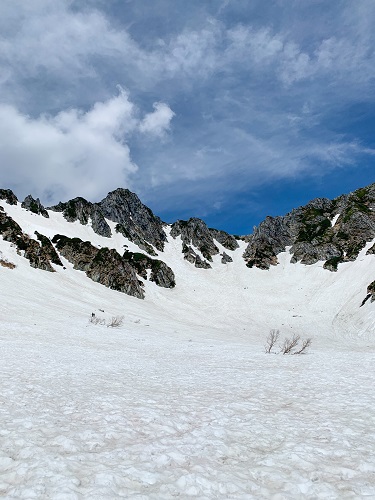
<point x="181" y="400"/>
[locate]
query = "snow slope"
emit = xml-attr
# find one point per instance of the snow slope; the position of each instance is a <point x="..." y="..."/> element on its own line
<point x="181" y="400"/>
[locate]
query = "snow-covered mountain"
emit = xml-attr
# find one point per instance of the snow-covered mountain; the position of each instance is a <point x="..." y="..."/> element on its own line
<point x="181" y="399"/>
<point x="315" y="265"/>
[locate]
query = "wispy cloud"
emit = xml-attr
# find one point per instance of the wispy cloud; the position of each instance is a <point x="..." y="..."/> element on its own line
<point x="243" y="95"/>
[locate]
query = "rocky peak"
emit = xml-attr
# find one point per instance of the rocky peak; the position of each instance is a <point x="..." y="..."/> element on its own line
<point x="83" y="210"/>
<point x="267" y="240"/>
<point x="8" y="196"/>
<point x="309" y="231"/>
<point x="34" y="205"/>
<point x="227" y="240"/>
<point x="195" y="232"/>
<point x="136" y="221"/>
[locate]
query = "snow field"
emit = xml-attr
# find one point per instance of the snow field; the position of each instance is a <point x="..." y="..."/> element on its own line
<point x="182" y="401"/>
<point x="102" y="413"/>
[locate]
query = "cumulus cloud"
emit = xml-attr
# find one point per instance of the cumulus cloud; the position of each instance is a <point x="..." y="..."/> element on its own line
<point x="74" y="152"/>
<point x="255" y="89"/>
<point x="158" y="122"/>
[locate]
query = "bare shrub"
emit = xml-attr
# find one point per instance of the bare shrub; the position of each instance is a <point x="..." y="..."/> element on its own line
<point x="293" y="345"/>
<point x="271" y="340"/>
<point x="116" y="322"/>
<point x="95" y="320"/>
<point x="305" y="345"/>
<point x="289" y="344"/>
<point x="6" y="263"/>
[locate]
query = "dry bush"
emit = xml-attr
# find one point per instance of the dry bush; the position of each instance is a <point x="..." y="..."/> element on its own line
<point x="293" y="345"/>
<point x="116" y="322"/>
<point x="289" y="344"/>
<point x="6" y="263"/>
<point x="305" y="345"/>
<point x="271" y="340"/>
<point x="95" y="320"/>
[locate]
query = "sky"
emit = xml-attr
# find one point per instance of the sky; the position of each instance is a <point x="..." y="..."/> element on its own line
<point x="227" y="110"/>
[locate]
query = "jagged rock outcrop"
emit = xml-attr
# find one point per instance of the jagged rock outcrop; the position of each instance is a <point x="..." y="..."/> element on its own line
<point x="8" y="196"/>
<point x="371" y="291"/>
<point x="84" y="211"/>
<point x="370" y="294"/>
<point x="49" y="249"/>
<point x="161" y="274"/>
<point x="309" y="232"/>
<point x="201" y="263"/>
<point x="112" y="271"/>
<point x="103" y="265"/>
<point x="134" y="220"/>
<point x="195" y="232"/>
<point x="39" y="255"/>
<point x="225" y="258"/>
<point x="194" y="258"/>
<point x="108" y="267"/>
<point x="227" y="240"/>
<point x="267" y="240"/>
<point x="132" y="236"/>
<point x="79" y="253"/>
<point x="34" y="205"/>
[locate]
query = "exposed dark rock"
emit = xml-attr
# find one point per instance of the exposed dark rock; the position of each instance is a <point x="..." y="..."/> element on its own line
<point x="332" y="263"/>
<point x="8" y="196"/>
<point x="49" y="249"/>
<point x="108" y="267"/>
<point x="111" y="270"/>
<point x="225" y="258"/>
<point x="195" y="232"/>
<point x="132" y="236"/>
<point x="267" y="240"/>
<point x="38" y="255"/>
<point x="29" y="203"/>
<point x="200" y="263"/>
<point x="370" y="294"/>
<point x="79" y="253"/>
<point x="191" y="256"/>
<point x="83" y="210"/>
<point x="308" y="231"/>
<point x="103" y="266"/>
<point x="371" y="250"/>
<point x="161" y="274"/>
<point x="227" y="240"/>
<point x="136" y="221"/>
<point x="371" y="291"/>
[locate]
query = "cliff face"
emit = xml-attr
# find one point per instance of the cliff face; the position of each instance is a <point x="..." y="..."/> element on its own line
<point x="84" y="211"/>
<point x="195" y="233"/>
<point x="333" y="231"/>
<point x="40" y="252"/>
<point x="135" y="221"/>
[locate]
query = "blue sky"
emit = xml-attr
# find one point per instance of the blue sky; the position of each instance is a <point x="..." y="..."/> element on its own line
<point x="224" y="110"/>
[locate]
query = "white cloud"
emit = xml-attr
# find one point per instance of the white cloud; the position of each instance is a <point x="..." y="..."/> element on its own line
<point x="254" y="99"/>
<point x="158" y="122"/>
<point x="74" y="152"/>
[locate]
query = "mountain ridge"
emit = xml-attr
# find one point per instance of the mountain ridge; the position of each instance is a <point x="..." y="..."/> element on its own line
<point x="323" y="230"/>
